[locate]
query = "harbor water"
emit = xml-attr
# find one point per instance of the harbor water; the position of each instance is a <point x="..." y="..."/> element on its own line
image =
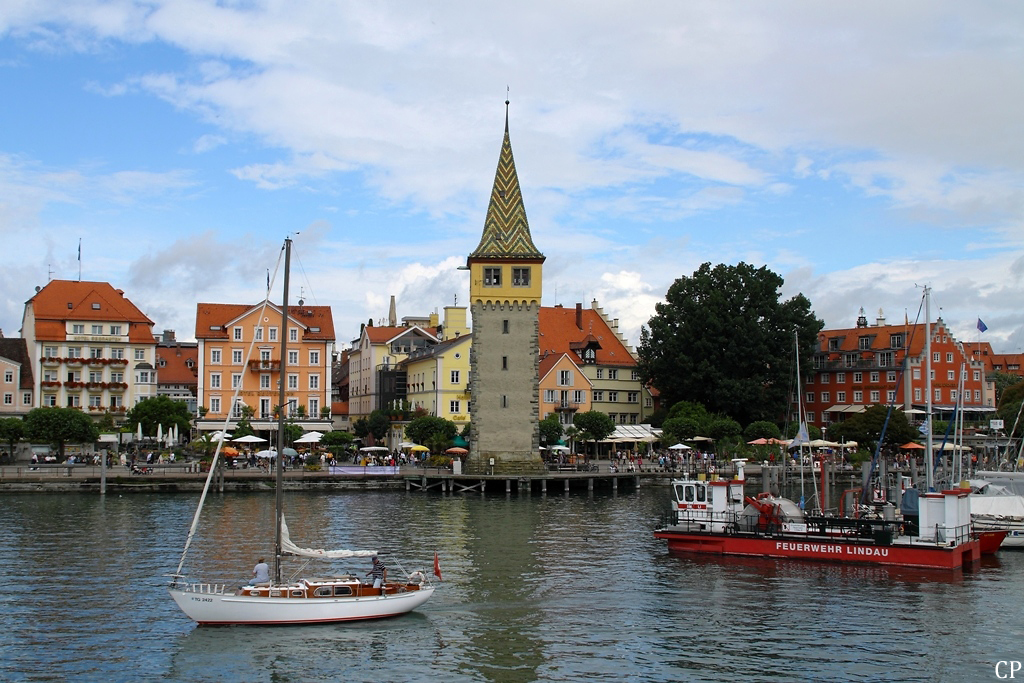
<point x="536" y="588"/>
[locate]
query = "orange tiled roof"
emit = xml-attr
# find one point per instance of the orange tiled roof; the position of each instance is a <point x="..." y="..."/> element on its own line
<point x="849" y="339"/>
<point x="383" y="335"/>
<point x="559" y="333"/>
<point x="63" y="300"/>
<point x="213" y="320"/>
<point x="175" y="369"/>
<point x="16" y="349"/>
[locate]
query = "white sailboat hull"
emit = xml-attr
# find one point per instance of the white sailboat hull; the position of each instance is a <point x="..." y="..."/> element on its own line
<point x="203" y="604"/>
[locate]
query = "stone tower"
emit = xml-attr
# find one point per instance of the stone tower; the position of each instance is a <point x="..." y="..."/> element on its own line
<point x="505" y="295"/>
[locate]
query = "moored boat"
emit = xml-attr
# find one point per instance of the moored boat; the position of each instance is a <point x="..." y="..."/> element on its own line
<point x="715" y="517"/>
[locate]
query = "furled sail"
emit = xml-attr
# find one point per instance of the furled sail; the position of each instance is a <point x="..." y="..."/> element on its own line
<point x="290" y="548"/>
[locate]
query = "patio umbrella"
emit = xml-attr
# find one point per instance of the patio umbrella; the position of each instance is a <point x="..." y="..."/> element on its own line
<point x="406" y="444"/>
<point x="290" y="452"/>
<point x="758" y="442"/>
<point x="266" y="454"/>
<point x="366" y="449"/>
<point x="418" y="448"/>
<point x="217" y="436"/>
<point x="138" y="432"/>
<point x="159" y="433"/>
<point x="228" y="450"/>
<point x="911" y="446"/>
<point x="309" y="437"/>
<point x="249" y="438"/>
<point x="559" y="449"/>
<point x="679" y="447"/>
<point x="455" y="450"/>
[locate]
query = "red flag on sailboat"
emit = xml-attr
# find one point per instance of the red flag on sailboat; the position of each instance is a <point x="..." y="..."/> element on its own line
<point x="437" y="567"/>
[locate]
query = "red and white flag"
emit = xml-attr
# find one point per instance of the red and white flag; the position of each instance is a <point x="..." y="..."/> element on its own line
<point x="437" y="567"/>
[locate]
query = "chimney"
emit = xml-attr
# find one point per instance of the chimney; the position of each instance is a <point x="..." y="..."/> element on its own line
<point x="168" y="336"/>
<point x="579" y="316"/>
<point x="392" y="314"/>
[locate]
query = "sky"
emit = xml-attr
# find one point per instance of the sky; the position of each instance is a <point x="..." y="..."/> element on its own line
<point x="862" y="151"/>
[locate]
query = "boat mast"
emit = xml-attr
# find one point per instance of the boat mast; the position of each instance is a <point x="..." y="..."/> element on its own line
<point x="279" y="501"/>
<point x="929" y="456"/>
<point x="799" y="413"/>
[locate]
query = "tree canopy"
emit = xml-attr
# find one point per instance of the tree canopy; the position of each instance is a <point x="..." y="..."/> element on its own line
<point x="59" y="426"/>
<point x="551" y="430"/>
<point x="723" y="338"/>
<point x="593" y="425"/>
<point x="12" y="430"/>
<point x="434" y="432"/>
<point x="160" y="410"/>
<point x="865" y="428"/>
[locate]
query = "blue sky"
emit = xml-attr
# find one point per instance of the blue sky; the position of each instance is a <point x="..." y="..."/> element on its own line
<point x="858" y="150"/>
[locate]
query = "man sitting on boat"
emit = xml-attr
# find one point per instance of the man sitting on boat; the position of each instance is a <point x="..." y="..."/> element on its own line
<point x="379" y="572"/>
<point x="261" y="573"/>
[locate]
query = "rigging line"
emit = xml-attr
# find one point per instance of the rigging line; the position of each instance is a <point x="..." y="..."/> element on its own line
<point x="224" y="428"/>
<point x="305" y="277"/>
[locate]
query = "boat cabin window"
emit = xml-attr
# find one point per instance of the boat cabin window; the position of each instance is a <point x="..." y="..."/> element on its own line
<point x="343" y="590"/>
<point x="702" y="494"/>
<point x="688" y="493"/>
<point x="323" y="592"/>
<point x="297" y="594"/>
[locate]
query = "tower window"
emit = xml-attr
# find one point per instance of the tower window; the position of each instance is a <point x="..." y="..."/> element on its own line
<point x="504" y="327"/>
<point x="504" y="401"/>
<point x="492" y="277"/>
<point x="504" y="362"/>
<point x="520" y="277"/>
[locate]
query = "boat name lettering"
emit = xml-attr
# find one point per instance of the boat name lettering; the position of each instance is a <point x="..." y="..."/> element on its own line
<point x="827" y="548"/>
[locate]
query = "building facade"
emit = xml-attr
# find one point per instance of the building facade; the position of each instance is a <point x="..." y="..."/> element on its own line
<point x="239" y="364"/>
<point x="17" y="387"/>
<point x="565" y="389"/>
<point x="178" y="370"/>
<point x="506" y="281"/>
<point x="885" y="364"/>
<point x="91" y="348"/>
<point x="437" y="379"/>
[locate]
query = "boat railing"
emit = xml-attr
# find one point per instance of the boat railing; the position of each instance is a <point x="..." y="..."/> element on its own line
<point x="206" y="588"/>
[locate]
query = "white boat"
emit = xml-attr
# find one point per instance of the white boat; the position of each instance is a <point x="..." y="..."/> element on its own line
<point x="314" y="600"/>
<point x="998" y="506"/>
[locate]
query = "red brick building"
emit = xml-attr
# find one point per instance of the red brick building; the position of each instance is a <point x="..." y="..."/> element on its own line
<point x="864" y="365"/>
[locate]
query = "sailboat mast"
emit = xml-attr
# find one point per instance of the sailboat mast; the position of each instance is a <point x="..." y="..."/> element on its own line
<point x="928" y="454"/>
<point x="279" y="500"/>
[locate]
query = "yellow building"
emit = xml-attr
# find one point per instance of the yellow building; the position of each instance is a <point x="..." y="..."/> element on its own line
<point x="437" y="379"/>
<point x="240" y="349"/>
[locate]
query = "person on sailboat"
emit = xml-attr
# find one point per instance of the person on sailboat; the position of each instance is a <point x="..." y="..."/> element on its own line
<point x="379" y="572"/>
<point x="261" y="572"/>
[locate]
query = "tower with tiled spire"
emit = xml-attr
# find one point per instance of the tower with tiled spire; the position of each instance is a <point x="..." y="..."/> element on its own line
<point x="505" y="296"/>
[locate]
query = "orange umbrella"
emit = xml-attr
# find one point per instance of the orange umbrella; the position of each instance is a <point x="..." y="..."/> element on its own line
<point x="228" y="450"/>
<point x="911" y="446"/>
<point x="457" y="451"/>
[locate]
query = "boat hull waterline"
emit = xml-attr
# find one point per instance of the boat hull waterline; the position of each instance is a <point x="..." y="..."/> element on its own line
<point x="923" y="556"/>
<point x="222" y="609"/>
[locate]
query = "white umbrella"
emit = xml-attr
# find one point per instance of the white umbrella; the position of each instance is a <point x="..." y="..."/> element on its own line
<point x="217" y="436"/>
<point x="366" y="449"/>
<point x="679" y="447"/>
<point x="309" y="437"/>
<point x="159" y="433"/>
<point x="267" y="454"/>
<point x="559" y="448"/>
<point x="249" y="438"/>
<point x="138" y="432"/>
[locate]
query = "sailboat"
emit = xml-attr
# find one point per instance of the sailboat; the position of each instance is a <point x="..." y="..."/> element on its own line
<point x="324" y="598"/>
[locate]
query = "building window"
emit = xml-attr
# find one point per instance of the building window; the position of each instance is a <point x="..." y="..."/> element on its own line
<point x="890" y="395"/>
<point x="648" y="402"/>
<point x="215" y="356"/>
<point x="504" y="401"/>
<point x="825" y="378"/>
<point x="841" y="377"/>
<point x="95" y="401"/>
<point x="949" y="357"/>
<point x="8" y="376"/>
<point x="504" y="327"/>
<point x="74" y="352"/>
<point x="810" y="417"/>
<point x="95" y="376"/>
<point x="632" y="397"/>
<point x="273" y="334"/>
<point x="293" y="334"/>
<point x="579" y="396"/>
<point x="825" y="397"/>
<point x="257" y="333"/>
<point x="549" y="395"/>
<point x="613" y="397"/>
<point x="634" y="376"/>
<point x="977" y="395"/>
<point x="917" y="395"/>
<point x="293" y="358"/>
<point x="8" y="399"/>
<point x="809" y="398"/>
<point x="215" y="404"/>
<point x="264" y="381"/>
<point x="236" y="380"/>
<point x="858" y="377"/>
<point x="938" y="395"/>
<point x="600" y="373"/>
<point x="864" y="343"/>
<point x="454" y="407"/>
<point x="215" y="380"/>
<point x="841" y="396"/>
<point x="140" y="354"/>
<point x="50" y="400"/>
<point x="950" y="375"/>
<point x="875" y="395"/>
<point x="78" y="329"/>
<point x="74" y="402"/>
<point x="117" y="353"/>
<point x="874" y="378"/>
<point x="858" y="397"/>
<point x="96" y="352"/>
<point x="833" y="344"/>
<point x="890" y="376"/>
<point x="236" y="356"/>
<point x="314" y="358"/>
<point x="293" y="381"/>
<point x="492" y="277"/>
<point x="520" y="277"/>
<point x="565" y="378"/>
<point x="314" y="406"/>
<point x="613" y="374"/>
<point x="314" y="381"/>
<point x="115" y="402"/>
<point x="896" y="341"/>
<point x="885" y="359"/>
<point x="952" y="395"/>
<point x="26" y="399"/>
<point x="49" y="351"/>
<point x="455" y="377"/>
<point x="599" y="395"/>
<point x="236" y="333"/>
<point x="115" y="329"/>
<point x="504" y="362"/>
<point x="935" y="357"/>
<point x="97" y="329"/>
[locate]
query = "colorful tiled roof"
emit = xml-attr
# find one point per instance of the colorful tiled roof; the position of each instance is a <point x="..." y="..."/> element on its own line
<point x="560" y="333"/>
<point x="506" y="230"/>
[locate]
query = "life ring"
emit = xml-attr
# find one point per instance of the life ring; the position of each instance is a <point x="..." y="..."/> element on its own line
<point x="417" y="577"/>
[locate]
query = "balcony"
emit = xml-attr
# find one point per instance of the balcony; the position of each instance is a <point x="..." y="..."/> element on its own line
<point x="117" y="386"/>
<point x="95" y="386"/>
<point x="264" y="366"/>
<point x="51" y="360"/>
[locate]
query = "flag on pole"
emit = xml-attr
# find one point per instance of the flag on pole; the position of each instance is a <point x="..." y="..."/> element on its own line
<point x="437" y="567"/>
<point x="981" y="326"/>
<point x="801" y="437"/>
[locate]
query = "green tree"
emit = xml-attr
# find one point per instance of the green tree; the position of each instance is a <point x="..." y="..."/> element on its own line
<point x="762" y="429"/>
<point x="676" y="429"/>
<point x="378" y="424"/>
<point x="58" y="426"/>
<point x="722" y="338"/>
<point x="12" y="430"/>
<point x="865" y="428"/>
<point x="723" y="429"/>
<point x="551" y="430"/>
<point x="1002" y="381"/>
<point x="361" y="428"/>
<point x="244" y="427"/>
<point x="337" y="441"/>
<point x="434" y="432"/>
<point x="159" y="410"/>
<point x="593" y="426"/>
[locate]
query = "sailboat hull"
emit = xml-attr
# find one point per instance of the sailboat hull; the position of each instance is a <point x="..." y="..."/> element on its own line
<point x="204" y="605"/>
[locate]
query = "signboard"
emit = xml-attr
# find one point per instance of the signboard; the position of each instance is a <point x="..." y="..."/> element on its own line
<point x="995" y="424"/>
